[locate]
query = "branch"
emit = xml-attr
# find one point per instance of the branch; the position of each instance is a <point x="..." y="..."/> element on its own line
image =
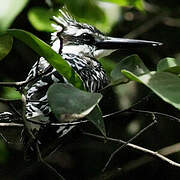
<point x="20" y="84"/>
<point x="13" y="84"/>
<point x="105" y="116"/>
<point x="132" y="109"/>
<point x="157" y="113"/>
<point x="173" y="22"/>
<point x="146" y="159"/>
<point x="3" y="100"/>
<point x="60" y="177"/>
<point x="130" y="140"/>
<point x="129" y="108"/>
<point x="154" y="154"/>
<point x="145" y="26"/>
<point x="11" y="124"/>
<point x="117" y="172"/>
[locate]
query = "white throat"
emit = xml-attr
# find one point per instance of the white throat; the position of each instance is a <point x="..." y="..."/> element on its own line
<point x="79" y="50"/>
<point x="85" y="50"/>
<point x="82" y="50"/>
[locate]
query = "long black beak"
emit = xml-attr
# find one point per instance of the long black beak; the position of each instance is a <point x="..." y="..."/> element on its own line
<point x="121" y="43"/>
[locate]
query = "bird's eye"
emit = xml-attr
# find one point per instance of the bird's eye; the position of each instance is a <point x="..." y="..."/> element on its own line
<point x="87" y="38"/>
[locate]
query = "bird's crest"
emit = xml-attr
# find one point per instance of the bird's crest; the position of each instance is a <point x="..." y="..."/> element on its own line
<point x="65" y="20"/>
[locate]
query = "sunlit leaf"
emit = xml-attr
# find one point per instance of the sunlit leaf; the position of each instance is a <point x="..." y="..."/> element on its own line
<point x="112" y="14"/>
<point x="40" y="18"/>
<point x="131" y="63"/>
<point x="133" y="3"/>
<point x="43" y="49"/>
<point x="9" y="9"/>
<point x="6" y="42"/>
<point x="166" y="85"/>
<point x="86" y="9"/>
<point x="170" y="65"/>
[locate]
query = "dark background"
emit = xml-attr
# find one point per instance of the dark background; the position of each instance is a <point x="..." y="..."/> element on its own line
<point x="83" y="157"/>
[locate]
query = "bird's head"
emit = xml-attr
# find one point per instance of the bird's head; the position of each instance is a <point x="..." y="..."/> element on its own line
<point x="85" y="40"/>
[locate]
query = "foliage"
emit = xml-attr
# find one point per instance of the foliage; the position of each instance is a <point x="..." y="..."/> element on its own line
<point x="134" y="3"/>
<point x="40" y="18"/>
<point x="131" y="67"/>
<point x="10" y="93"/>
<point x="43" y="49"/>
<point x="132" y="63"/>
<point x="69" y="104"/>
<point x="169" y="65"/>
<point x="5" y="45"/>
<point x="9" y="9"/>
<point x="165" y="84"/>
<point x="163" y="80"/>
<point x="62" y="67"/>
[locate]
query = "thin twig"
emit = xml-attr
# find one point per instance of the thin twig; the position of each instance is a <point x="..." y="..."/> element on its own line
<point x="70" y="123"/>
<point x="145" y="26"/>
<point x="130" y="140"/>
<point x="8" y="142"/>
<point x="129" y="108"/>
<point x="173" y="22"/>
<point x="136" y="147"/>
<point x="20" y="84"/>
<point x="15" y="110"/>
<point x="13" y="84"/>
<point x="11" y="124"/>
<point x="3" y="100"/>
<point x="145" y="159"/>
<point x="134" y="164"/>
<point x="4" y="139"/>
<point x="157" y="113"/>
<point x="47" y="164"/>
<point x="105" y="116"/>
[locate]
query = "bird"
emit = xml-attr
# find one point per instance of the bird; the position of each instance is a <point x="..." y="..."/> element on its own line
<point x="80" y="45"/>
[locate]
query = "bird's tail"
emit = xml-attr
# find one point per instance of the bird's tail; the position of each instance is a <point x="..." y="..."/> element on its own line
<point x="7" y="117"/>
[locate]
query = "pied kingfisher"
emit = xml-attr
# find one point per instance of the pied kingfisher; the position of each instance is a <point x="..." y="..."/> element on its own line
<point x="80" y="45"/>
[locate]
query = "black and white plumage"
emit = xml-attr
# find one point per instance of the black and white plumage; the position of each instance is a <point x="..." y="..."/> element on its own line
<point x="80" y="45"/>
<point x="91" y="72"/>
<point x="82" y="60"/>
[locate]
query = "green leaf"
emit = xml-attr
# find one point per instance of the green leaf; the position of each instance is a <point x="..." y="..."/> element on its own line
<point x="169" y="65"/>
<point x="43" y="49"/>
<point x="40" y="18"/>
<point x="112" y="14"/>
<point x="131" y="63"/>
<point x="6" y="42"/>
<point x="69" y="103"/>
<point x="103" y="16"/>
<point x="95" y="116"/>
<point x="164" y="84"/>
<point x="86" y="9"/>
<point x="134" y="3"/>
<point x="9" y="9"/>
<point x="10" y="93"/>
<point x="107" y="64"/>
